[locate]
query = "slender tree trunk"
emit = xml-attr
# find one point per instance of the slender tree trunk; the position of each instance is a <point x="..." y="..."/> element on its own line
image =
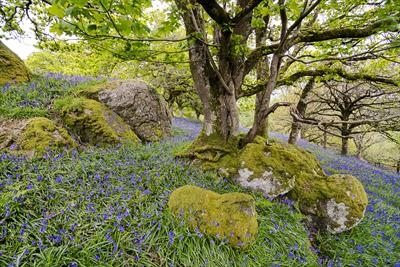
<point x="325" y="136"/>
<point x="262" y="75"/>
<point x="345" y="146"/>
<point x="198" y="62"/>
<point x="295" y="133"/>
<point x="301" y="108"/>
<point x="261" y="115"/>
<point x="345" y="138"/>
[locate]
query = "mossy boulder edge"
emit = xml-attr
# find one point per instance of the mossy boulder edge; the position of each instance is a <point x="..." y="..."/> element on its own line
<point x="33" y="137"/>
<point x="137" y="104"/>
<point x="12" y="68"/>
<point x="93" y="122"/>
<point x="229" y="217"/>
<point x="335" y="203"/>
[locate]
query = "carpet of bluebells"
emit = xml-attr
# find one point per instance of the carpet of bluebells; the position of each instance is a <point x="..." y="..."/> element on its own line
<point x="107" y="207"/>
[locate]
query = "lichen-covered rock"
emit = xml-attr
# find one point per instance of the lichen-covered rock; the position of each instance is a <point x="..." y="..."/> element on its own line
<point x="266" y="166"/>
<point x="230" y="217"/>
<point x="33" y="136"/>
<point x="139" y="106"/>
<point x="335" y="203"/>
<point x="93" y="122"/>
<point x="12" y="68"/>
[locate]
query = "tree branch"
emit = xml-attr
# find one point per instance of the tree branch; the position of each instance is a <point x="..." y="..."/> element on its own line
<point x="216" y="12"/>
<point x="248" y="9"/>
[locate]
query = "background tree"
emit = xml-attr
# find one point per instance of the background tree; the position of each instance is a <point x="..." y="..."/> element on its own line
<point x="345" y="109"/>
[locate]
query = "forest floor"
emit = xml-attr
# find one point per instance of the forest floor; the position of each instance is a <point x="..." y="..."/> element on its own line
<point x="108" y="206"/>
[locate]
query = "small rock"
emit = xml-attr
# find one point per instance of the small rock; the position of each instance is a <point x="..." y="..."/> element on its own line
<point x="33" y="136"/>
<point x="230" y="217"/>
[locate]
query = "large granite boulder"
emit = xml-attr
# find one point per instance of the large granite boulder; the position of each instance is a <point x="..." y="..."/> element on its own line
<point x="138" y="104"/>
<point x="12" y="68"/>
<point x="266" y="166"/>
<point x="336" y="203"/>
<point x="93" y="122"/>
<point x="33" y="136"/>
<point x="229" y="217"/>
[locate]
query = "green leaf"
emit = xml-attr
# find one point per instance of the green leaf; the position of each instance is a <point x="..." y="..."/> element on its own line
<point x="79" y="3"/>
<point x="56" y="11"/>
<point x="55" y="28"/>
<point x="91" y="27"/>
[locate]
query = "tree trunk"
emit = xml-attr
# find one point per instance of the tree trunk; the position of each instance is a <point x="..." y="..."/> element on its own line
<point x="345" y="146"/>
<point x="301" y="109"/>
<point x="262" y="75"/>
<point x="295" y="133"/>
<point x="260" y="115"/>
<point x="325" y="136"/>
<point x="345" y="138"/>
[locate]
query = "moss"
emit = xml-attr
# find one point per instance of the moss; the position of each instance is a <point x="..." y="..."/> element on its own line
<point x="93" y="122"/>
<point x="230" y="217"/>
<point x="210" y="148"/>
<point x="42" y="133"/>
<point x="312" y="193"/>
<point x="258" y="156"/>
<point x="12" y="68"/>
<point x="92" y="91"/>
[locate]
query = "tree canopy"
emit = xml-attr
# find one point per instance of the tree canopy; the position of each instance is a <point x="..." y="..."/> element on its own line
<point x="234" y="48"/>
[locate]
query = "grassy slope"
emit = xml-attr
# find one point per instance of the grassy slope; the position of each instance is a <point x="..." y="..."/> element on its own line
<point x="106" y="207"/>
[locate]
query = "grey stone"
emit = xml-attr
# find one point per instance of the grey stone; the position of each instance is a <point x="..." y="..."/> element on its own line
<point x="139" y="106"/>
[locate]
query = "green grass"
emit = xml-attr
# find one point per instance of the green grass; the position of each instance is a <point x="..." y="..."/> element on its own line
<point x="33" y="99"/>
<point x="107" y="207"/>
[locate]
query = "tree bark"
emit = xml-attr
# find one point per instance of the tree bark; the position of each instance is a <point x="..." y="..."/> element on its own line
<point x="345" y="138"/>
<point x="301" y="107"/>
<point x="261" y="115"/>
<point x="262" y="74"/>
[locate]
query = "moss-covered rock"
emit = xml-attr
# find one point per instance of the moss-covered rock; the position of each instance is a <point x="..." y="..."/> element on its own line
<point x="41" y="134"/>
<point x="266" y="166"/>
<point x="138" y="104"/>
<point x="230" y="217"/>
<point x="12" y="68"/>
<point x="33" y="136"/>
<point x="336" y="203"/>
<point x="93" y="122"/>
<point x="208" y="150"/>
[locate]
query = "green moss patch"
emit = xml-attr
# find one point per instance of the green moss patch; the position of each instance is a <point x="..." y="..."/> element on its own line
<point x="92" y="91"/>
<point x="230" y="217"/>
<point x="209" y="150"/>
<point x="340" y="200"/>
<point x="93" y="122"/>
<point x="12" y="68"/>
<point x="41" y="134"/>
